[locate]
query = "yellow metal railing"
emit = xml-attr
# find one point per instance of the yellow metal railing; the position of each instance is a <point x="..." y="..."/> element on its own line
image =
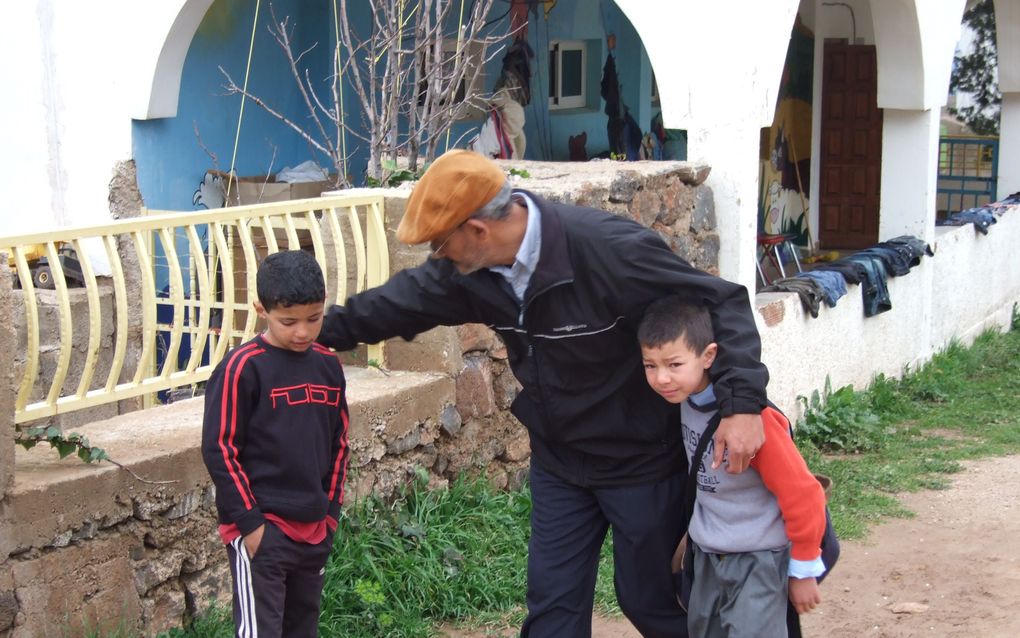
<point x="197" y="295"/>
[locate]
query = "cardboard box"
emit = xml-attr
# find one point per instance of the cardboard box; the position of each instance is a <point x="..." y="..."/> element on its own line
<point x="260" y="192"/>
<point x="261" y="189"/>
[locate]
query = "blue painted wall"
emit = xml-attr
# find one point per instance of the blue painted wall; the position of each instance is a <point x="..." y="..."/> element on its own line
<point x="171" y="163"/>
<point x="592" y="21"/>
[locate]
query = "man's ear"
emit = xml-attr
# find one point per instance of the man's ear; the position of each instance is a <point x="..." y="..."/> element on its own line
<point x="477" y="228"/>
<point x="260" y="310"/>
<point x="708" y="356"/>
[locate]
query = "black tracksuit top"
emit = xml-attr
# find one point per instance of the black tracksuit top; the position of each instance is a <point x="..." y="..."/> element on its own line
<point x="274" y="435"/>
<point x="592" y="418"/>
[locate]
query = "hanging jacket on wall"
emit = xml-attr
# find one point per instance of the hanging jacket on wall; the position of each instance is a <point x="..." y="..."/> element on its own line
<point x="610" y="90"/>
<point x="808" y="290"/>
<point x="980" y="217"/>
<point x="852" y="272"/>
<point x="832" y="284"/>
<point x="516" y="74"/>
<point x="874" y="291"/>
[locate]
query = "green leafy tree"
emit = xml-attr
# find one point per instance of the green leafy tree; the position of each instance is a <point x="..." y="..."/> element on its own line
<point x="976" y="73"/>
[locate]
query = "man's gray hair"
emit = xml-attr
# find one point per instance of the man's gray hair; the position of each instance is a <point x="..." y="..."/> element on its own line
<point x="498" y="207"/>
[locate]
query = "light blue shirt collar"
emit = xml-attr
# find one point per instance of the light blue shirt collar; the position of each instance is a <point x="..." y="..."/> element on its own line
<point x="704" y="398"/>
<point x="518" y="274"/>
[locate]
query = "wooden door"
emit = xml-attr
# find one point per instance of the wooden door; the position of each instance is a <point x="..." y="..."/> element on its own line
<point x="851" y="147"/>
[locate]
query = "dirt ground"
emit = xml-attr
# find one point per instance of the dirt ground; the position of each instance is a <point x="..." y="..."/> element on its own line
<point x="951" y="571"/>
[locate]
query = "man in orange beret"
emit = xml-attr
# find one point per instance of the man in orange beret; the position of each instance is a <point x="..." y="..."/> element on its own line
<point x="565" y="287"/>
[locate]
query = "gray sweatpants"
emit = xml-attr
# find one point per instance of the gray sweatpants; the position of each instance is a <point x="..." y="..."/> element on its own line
<point x="739" y="595"/>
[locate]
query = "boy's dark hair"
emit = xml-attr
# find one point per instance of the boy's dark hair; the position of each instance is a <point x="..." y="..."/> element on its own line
<point x="671" y="318"/>
<point x="289" y="278"/>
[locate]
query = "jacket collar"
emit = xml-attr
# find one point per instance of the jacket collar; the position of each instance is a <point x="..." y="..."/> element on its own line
<point x="554" y="265"/>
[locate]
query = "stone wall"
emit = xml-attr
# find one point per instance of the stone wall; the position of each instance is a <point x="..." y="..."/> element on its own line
<point x="669" y="197"/>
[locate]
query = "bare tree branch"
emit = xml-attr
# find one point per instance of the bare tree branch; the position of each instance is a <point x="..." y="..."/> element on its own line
<point x="412" y="77"/>
<point x="233" y="89"/>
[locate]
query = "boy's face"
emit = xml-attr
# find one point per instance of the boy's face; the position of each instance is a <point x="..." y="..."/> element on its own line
<point x="292" y="327"/>
<point x="675" y="371"/>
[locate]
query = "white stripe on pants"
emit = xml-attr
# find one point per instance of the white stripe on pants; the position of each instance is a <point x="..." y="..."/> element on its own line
<point x="247" y="627"/>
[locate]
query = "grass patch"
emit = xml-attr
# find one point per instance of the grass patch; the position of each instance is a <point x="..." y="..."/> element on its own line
<point x="911" y="433"/>
<point x="397" y="569"/>
<point x="458" y="556"/>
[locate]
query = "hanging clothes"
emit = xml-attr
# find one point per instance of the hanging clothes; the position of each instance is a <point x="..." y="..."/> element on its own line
<point x="808" y="290"/>
<point x="513" y="122"/>
<point x="610" y="89"/>
<point x="519" y="19"/>
<point x="515" y="76"/>
<point x="874" y="291"/>
<point x="492" y="140"/>
<point x="832" y="284"/>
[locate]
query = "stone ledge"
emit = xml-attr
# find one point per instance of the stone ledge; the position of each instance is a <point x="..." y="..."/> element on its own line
<point x="52" y="499"/>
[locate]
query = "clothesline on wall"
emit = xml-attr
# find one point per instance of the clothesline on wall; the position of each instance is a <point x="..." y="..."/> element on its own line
<point x="870" y="268"/>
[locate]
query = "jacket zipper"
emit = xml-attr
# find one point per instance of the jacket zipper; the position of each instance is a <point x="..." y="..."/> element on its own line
<point x="531" y="347"/>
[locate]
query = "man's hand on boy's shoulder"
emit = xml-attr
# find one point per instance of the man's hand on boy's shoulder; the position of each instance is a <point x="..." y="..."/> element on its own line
<point x="739" y="437"/>
<point x="804" y="594"/>
<point x="253" y="540"/>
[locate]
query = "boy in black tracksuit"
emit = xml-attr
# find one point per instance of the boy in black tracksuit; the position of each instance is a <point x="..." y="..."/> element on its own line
<point x="274" y="439"/>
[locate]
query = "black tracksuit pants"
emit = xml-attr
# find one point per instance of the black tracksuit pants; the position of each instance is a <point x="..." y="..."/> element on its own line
<point x="277" y="592"/>
<point x="568" y="527"/>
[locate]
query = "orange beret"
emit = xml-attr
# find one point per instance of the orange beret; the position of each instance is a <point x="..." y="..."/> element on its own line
<point x="456" y="185"/>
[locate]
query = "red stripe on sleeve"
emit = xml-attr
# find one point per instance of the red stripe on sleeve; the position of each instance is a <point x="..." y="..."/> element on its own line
<point x="232" y="375"/>
<point x="340" y="465"/>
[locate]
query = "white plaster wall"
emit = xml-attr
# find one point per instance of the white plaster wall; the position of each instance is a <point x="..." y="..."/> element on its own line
<point x="978" y="278"/>
<point x="27" y="173"/>
<point x="1009" y="151"/>
<point x="970" y="284"/>
<point x="841" y="342"/>
<point x="910" y="147"/>
<point x="1007" y="34"/>
<point x="79" y="71"/>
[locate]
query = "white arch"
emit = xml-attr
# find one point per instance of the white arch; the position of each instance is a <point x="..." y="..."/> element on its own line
<point x="718" y="67"/>
<point x="714" y="59"/>
<point x="915" y="42"/>
<point x="165" y="33"/>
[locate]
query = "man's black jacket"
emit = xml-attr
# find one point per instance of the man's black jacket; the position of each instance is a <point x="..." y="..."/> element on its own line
<point x="592" y="417"/>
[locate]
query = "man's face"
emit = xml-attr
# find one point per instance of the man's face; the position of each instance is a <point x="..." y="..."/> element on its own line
<point x="468" y="247"/>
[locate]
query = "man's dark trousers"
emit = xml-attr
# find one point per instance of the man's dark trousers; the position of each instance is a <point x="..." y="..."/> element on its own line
<point x="568" y="527"/>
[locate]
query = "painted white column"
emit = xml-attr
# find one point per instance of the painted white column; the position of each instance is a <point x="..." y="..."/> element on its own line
<point x="1009" y="145"/>
<point x="731" y="149"/>
<point x="910" y="146"/>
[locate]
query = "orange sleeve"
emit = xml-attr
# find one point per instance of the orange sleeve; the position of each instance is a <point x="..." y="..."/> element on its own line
<point x="800" y="495"/>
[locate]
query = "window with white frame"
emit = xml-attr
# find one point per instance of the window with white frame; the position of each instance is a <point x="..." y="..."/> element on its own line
<point x="568" y="70"/>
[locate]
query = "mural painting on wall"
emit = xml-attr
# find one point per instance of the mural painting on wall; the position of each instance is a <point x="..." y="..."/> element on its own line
<point x="784" y="175"/>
